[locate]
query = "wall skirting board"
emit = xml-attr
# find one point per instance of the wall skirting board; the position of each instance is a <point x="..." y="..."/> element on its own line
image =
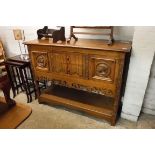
<point x="148" y="111"/>
<point x="129" y="117"/>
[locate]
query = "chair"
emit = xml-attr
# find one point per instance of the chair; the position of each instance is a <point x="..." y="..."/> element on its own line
<point x="2" y="59"/>
<point x="5" y="87"/>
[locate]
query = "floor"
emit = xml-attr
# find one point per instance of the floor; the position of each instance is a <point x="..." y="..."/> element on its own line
<point x="49" y="117"/>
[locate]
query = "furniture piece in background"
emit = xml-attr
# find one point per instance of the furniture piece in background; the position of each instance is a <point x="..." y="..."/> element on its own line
<point x="20" y="75"/>
<point x="5" y="86"/>
<point x="86" y="74"/>
<point x="109" y="34"/>
<point x="2" y="59"/>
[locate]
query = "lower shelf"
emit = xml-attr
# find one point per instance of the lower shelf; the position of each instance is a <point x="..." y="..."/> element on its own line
<point x="97" y="105"/>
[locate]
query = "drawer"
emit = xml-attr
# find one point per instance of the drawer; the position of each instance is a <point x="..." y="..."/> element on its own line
<point x="40" y="48"/>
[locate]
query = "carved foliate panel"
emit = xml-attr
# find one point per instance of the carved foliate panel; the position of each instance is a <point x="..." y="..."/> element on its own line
<point x="96" y="90"/>
<point x="102" y="68"/>
<point x="40" y="60"/>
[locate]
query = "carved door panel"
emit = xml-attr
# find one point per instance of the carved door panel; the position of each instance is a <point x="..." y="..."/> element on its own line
<point x="75" y="64"/>
<point x="40" y="61"/>
<point x="101" y="68"/>
<point x="58" y="62"/>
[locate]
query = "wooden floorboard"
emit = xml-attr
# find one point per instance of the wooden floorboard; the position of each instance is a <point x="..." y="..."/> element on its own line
<point x="13" y="117"/>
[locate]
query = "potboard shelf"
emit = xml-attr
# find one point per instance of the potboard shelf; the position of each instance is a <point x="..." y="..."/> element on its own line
<point x="84" y="101"/>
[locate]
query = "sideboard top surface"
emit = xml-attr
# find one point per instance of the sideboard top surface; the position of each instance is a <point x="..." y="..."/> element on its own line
<point x="85" y="43"/>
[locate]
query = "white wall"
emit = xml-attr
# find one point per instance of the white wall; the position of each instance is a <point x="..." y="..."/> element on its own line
<point x="149" y="99"/>
<point x="120" y="33"/>
<point x="11" y="46"/>
<point x="143" y="49"/>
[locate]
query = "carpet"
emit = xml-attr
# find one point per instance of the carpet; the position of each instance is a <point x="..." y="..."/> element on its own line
<point x="58" y="117"/>
<point x="13" y="117"/>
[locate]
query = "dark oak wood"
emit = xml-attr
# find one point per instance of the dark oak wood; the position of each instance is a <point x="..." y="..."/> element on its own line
<point x="20" y="75"/>
<point x="5" y="86"/>
<point x="86" y="66"/>
<point x="57" y="35"/>
<point x="2" y="59"/>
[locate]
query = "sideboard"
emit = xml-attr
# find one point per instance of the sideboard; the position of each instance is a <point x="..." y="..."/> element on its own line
<point x="86" y="75"/>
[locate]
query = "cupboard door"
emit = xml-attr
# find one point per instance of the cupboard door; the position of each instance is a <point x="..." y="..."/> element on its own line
<point x="40" y="61"/>
<point x="58" y="62"/>
<point x="102" y="68"/>
<point x="75" y="64"/>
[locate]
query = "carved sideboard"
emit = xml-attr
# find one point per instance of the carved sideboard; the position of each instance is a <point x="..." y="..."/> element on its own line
<point x="86" y="74"/>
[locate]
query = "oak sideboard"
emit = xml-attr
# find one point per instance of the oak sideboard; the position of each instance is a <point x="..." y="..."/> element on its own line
<point x="86" y="75"/>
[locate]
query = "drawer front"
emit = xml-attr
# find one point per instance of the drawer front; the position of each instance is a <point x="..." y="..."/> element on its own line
<point x="102" y="68"/>
<point x="40" y="48"/>
<point x="40" y="61"/>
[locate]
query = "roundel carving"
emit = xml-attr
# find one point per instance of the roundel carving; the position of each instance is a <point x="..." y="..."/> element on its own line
<point x="41" y="61"/>
<point x="103" y="69"/>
